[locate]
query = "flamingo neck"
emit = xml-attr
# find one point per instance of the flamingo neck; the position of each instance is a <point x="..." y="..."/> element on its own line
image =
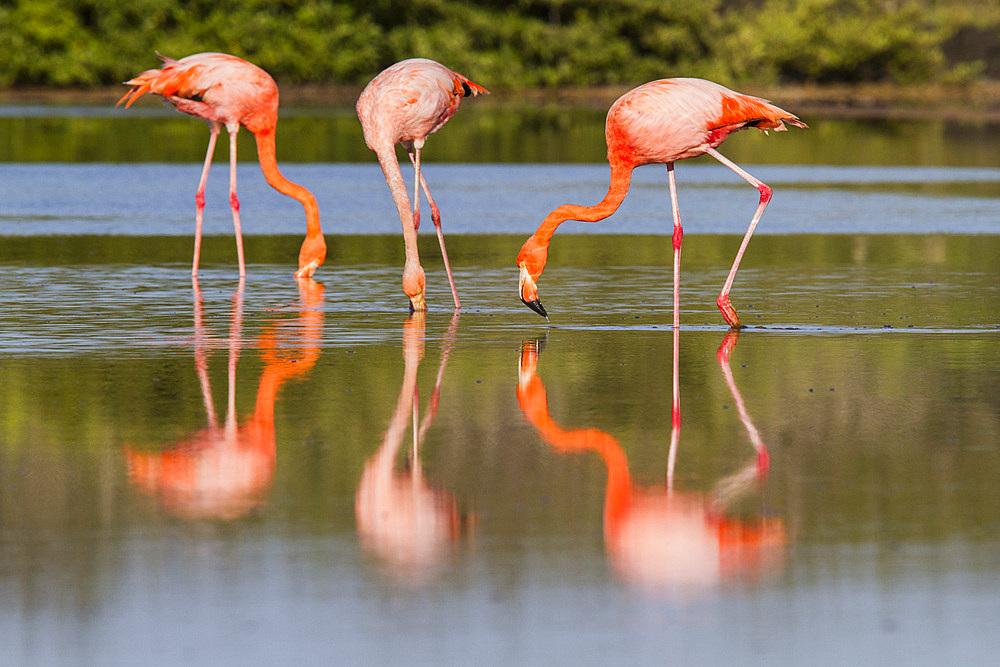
<point x="269" y="165"/>
<point x="621" y="177"/>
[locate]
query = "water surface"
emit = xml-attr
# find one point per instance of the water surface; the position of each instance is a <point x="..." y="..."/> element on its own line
<point x="275" y="471"/>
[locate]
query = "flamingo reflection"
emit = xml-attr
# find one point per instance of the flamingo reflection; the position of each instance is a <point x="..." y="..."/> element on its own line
<point x="225" y="470"/>
<point x="409" y="525"/>
<point x="661" y="538"/>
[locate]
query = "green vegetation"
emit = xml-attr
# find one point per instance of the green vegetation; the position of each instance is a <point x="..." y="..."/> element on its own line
<point x="524" y="43"/>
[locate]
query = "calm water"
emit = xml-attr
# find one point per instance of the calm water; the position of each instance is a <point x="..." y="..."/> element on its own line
<point x="290" y="472"/>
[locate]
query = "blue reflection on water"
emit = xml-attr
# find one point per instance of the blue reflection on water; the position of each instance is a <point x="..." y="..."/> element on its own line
<point x="158" y="199"/>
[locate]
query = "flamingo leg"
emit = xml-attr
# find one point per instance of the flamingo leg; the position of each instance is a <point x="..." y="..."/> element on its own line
<point x="199" y="196"/>
<point x="723" y="302"/>
<point x="677" y="239"/>
<point x="435" y="218"/>
<point x="234" y="202"/>
<point x="675" y="412"/>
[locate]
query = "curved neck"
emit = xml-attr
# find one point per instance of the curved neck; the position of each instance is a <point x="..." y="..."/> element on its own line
<point x="269" y="165"/>
<point x="621" y="177"/>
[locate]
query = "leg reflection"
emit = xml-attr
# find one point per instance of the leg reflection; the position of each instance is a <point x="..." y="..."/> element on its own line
<point x="225" y="471"/>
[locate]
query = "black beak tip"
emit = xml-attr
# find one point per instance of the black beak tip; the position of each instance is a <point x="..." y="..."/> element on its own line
<point x="536" y="306"/>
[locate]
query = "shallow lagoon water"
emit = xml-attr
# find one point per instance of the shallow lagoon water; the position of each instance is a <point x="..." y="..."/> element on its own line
<point x="217" y="473"/>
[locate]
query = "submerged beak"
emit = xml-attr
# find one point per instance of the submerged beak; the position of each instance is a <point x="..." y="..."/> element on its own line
<point x="307" y="271"/>
<point x="417" y="303"/>
<point x="529" y="293"/>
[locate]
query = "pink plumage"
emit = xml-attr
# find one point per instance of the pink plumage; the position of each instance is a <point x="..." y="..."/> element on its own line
<point x="230" y="92"/>
<point x="405" y="104"/>
<point x="671" y="119"/>
<point x="661" y="122"/>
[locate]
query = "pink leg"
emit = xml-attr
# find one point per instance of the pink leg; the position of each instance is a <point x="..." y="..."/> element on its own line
<point x="678" y="238"/>
<point x="723" y="302"/>
<point x="436" y="219"/>
<point x="414" y="153"/>
<point x="199" y="197"/>
<point x="234" y="202"/>
<point x="675" y="413"/>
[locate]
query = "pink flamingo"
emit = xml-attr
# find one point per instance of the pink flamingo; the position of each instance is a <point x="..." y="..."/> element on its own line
<point x="403" y="105"/>
<point x="661" y="122"/>
<point x="228" y="91"/>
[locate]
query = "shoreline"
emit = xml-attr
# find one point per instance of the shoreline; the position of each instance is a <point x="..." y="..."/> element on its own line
<point x="974" y="102"/>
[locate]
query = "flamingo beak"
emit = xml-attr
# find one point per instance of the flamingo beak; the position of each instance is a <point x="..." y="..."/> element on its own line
<point x="307" y="271"/>
<point x="417" y="303"/>
<point x="529" y="293"/>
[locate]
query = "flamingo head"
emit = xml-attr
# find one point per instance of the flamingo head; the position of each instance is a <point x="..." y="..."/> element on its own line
<point x="414" y="282"/>
<point x="531" y="261"/>
<point x="311" y="256"/>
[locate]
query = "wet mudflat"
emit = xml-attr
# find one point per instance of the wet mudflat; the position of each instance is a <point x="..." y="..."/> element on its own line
<point x="288" y="471"/>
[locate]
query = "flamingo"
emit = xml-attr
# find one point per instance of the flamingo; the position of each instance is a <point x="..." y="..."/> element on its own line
<point x="661" y="122"/>
<point x="404" y="104"/>
<point x="228" y="91"/>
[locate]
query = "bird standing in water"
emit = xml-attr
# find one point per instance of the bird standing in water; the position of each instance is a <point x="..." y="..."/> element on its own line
<point x="403" y="105"/>
<point x="227" y="91"/>
<point x="661" y="122"/>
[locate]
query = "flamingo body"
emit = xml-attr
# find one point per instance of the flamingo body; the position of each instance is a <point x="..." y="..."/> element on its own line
<point x="672" y="119"/>
<point x="409" y="101"/>
<point x="661" y="122"/>
<point x="405" y="104"/>
<point x="230" y="92"/>
<point x="216" y="87"/>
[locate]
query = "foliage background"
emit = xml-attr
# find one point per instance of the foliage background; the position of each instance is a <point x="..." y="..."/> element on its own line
<point x="523" y="43"/>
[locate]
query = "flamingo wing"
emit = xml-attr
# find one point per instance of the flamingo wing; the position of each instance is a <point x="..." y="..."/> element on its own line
<point x="671" y="119"/>
<point x="412" y="99"/>
<point x="214" y="86"/>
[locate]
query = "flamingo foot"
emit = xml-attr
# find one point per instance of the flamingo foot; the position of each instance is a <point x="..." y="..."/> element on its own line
<point x="728" y="312"/>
